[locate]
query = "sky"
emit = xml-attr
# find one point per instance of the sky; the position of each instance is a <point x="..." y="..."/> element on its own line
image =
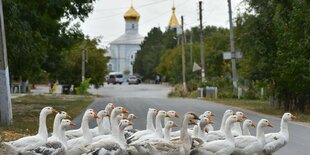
<point x="106" y="20"/>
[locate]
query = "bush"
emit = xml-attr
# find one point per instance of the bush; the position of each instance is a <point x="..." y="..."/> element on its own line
<point x="84" y="86"/>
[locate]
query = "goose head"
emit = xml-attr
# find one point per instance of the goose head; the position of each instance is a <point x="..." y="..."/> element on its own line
<point x="90" y="113"/>
<point x="153" y="111"/>
<point x="228" y="113"/>
<point x="48" y="110"/>
<point x="191" y="116"/>
<point x="124" y="123"/>
<point x="162" y="114"/>
<point x="103" y="113"/>
<point x="110" y="106"/>
<point x="132" y="116"/>
<point x="170" y="124"/>
<point x="249" y="123"/>
<point x="121" y="116"/>
<point x="232" y="119"/>
<point x="172" y="114"/>
<point x="264" y="123"/>
<point x="241" y="115"/>
<point x="119" y="110"/>
<point x="63" y="115"/>
<point x="288" y="117"/>
<point x="209" y="113"/>
<point x="66" y="123"/>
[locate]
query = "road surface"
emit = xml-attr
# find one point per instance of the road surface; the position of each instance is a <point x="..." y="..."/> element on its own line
<point x="138" y="98"/>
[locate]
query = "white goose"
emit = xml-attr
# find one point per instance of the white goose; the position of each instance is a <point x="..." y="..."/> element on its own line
<point x="219" y="134"/>
<point x="199" y="130"/>
<point x="99" y="129"/>
<point x="86" y="138"/>
<point x="181" y="146"/>
<point x="210" y="114"/>
<point x="246" y="125"/>
<point x="71" y="134"/>
<point x="112" y="145"/>
<point x="106" y="120"/>
<point x="31" y="142"/>
<point x="57" y="144"/>
<point x="149" y="126"/>
<point x="131" y="117"/>
<point x="59" y="116"/>
<point x="249" y="145"/>
<point x="275" y="141"/>
<point x="236" y="129"/>
<point x="220" y="147"/>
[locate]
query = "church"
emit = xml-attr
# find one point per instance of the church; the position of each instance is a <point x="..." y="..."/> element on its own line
<point x="123" y="50"/>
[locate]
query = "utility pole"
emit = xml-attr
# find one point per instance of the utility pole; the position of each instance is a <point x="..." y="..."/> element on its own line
<point x="232" y="48"/>
<point x="202" y="54"/>
<point x="183" y="58"/>
<point x="83" y="65"/>
<point x="191" y="50"/>
<point x="5" y="94"/>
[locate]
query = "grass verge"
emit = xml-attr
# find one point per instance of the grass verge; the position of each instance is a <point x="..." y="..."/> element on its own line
<point x="26" y="111"/>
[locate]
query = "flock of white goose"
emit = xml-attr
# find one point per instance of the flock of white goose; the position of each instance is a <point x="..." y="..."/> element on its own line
<point x="115" y="134"/>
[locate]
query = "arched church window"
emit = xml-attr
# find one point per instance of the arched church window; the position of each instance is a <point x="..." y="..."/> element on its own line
<point x="110" y="67"/>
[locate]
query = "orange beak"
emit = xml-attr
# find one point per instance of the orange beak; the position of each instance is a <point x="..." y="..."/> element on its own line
<point x="174" y="125"/>
<point x="210" y="121"/>
<point x="125" y="117"/>
<point x="72" y="123"/>
<point x="124" y="110"/>
<point x="68" y="116"/>
<point x="293" y="117"/>
<point x="244" y="116"/>
<point x="269" y="125"/>
<point x="253" y="125"/>
<point x="95" y="114"/>
<point x="113" y="106"/>
<point x="212" y="114"/>
<point x="135" y="117"/>
<point x="54" y="110"/>
<point x="176" y="115"/>
<point x="130" y="123"/>
<point x="239" y="120"/>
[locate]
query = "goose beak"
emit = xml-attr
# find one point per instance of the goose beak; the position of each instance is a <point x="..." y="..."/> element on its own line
<point x="168" y="116"/>
<point x="244" y="116"/>
<point x="54" y="110"/>
<point x="176" y="115"/>
<point x="206" y="130"/>
<point x="174" y="125"/>
<point x="68" y="116"/>
<point x="269" y="125"/>
<point x="113" y="106"/>
<point x="293" y="117"/>
<point x="210" y="122"/>
<point x="254" y="126"/>
<point x="124" y="110"/>
<point x="239" y="120"/>
<point x="95" y="115"/>
<point x="72" y="123"/>
<point x="130" y="123"/>
<point x="125" y="117"/>
<point x="135" y="117"/>
<point x="192" y="122"/>
<point x="212" y="114"/>
<point x="196" y="117"/>
<point x="107" y="115"/>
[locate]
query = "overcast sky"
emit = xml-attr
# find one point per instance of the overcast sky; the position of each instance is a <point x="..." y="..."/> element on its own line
<point x="107" y="18"/>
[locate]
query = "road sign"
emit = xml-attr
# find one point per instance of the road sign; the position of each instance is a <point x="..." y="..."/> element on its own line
<point x="196" y="67"/>
<point x="229" y="55"/>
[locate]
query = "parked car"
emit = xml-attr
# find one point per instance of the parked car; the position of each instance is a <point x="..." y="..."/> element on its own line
<point x="133" y="80"/>
<point x="115" y="77"/>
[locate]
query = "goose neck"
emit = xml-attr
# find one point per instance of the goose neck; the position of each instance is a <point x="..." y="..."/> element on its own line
<point x="183" y="129"/>
<point x="167" y="119"/>
<point x="159" y="127"/>
<point x="227" y="131"/>
<point x="225" y="116"/>
<point x="42" y="125"/>
<point x="114" y="123"/>
<point x="100" y="125"/>
<point x="246" y="130"/>
<point x="149" y="121"/>
<point x="284" y="127"/>
<point x="62" y="136"/>
<point x="85" y="128"/>
<point x="167" y="133"/>
<point x="56" y="124"/>
<point x="260" y="134"/>
<point x="120" y="136"/>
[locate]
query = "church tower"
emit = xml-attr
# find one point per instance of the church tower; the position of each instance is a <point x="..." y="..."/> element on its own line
<point x="132" y="20"/>
<point x="173" y="22"/>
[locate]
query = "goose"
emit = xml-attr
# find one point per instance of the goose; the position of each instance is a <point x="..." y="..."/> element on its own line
<point x="236" y="129"/>
<point x="118" y="119"/>
<point x="31" y="142"/>
<point x="116" y="144"/>
<point x="86" y="138"/>
<point x="171" y="114"/>
<point x="181" y="146"/>
<point x="71" y="134"/>
<point x="106" y="124"/>
<point x="99" y="129"/>
<point x="57" y="144"/>
<point x="219" y="134"/>
<point x="209" y="114"/>
<point x="149" y="126"/>
<point x="131" y="117"/>
<point x="248" y="145"/>
<point x="245" y="127"/>
<point x="196" y="127"/>
<point x="199" y="130"/>
<point x="59" y="116"/>
<point x="158" y="131"/>
<point x="220" y="147"/>
<point x="275" y="141"/>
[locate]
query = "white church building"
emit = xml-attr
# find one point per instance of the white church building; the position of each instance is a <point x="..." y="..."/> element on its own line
<point x="123" y="49"/>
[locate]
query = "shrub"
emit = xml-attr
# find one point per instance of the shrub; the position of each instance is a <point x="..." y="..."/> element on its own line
<point x="82" y="89"/>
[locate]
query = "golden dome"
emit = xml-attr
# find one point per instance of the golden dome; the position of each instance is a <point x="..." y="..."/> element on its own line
<point x="173" y="23"/>
<point x="132" y="14"/>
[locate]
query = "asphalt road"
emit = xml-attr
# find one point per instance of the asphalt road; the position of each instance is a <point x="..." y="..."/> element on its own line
<point x="138" y="98"/>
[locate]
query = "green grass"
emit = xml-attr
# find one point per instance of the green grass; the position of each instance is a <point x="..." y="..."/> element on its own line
<point x="261" y="106"/>
<point x="26" y="112"/>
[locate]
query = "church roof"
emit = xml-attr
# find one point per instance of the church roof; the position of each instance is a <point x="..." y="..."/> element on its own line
<point x="132" y="14"/>
<point x="128" y="38"/>
<point x="173" y="23"/>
